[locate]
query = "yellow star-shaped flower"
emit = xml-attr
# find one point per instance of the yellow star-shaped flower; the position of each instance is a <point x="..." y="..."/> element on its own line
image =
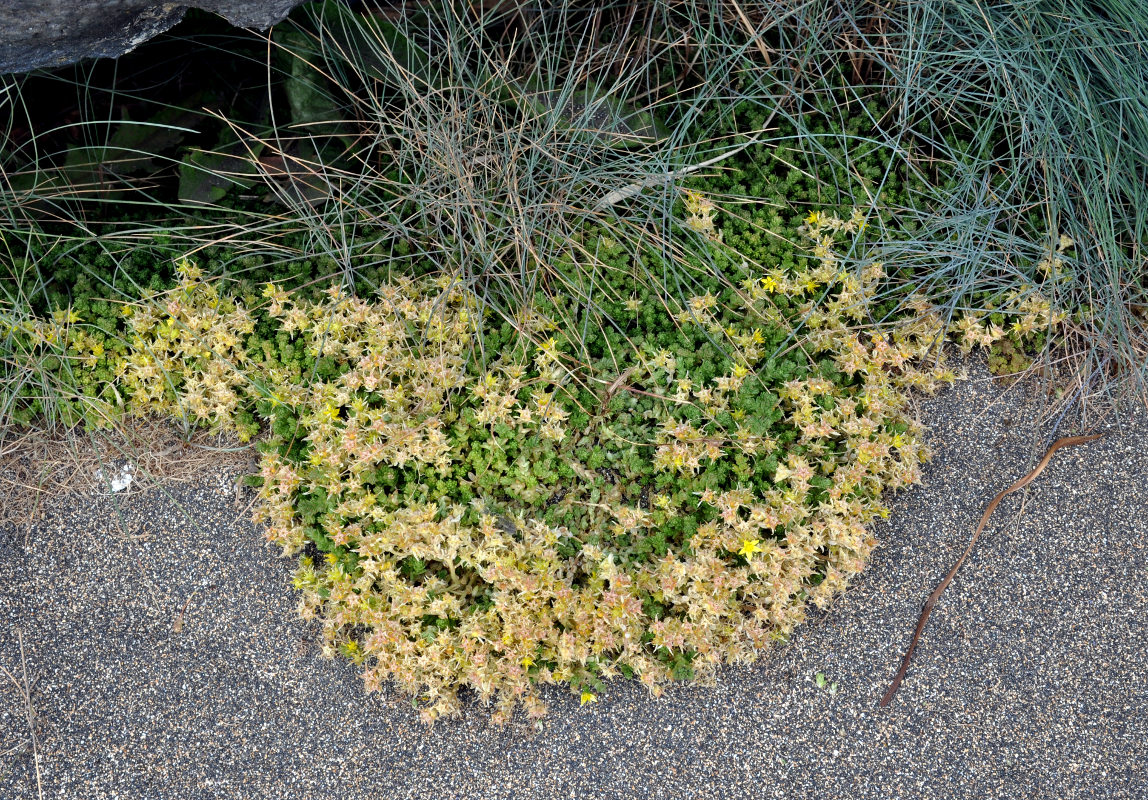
<point x="749" y="547"/>
<point x="589" y="697"/>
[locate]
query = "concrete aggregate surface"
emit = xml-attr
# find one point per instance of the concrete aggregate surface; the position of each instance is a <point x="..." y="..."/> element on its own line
<point x="1029" y="682"/>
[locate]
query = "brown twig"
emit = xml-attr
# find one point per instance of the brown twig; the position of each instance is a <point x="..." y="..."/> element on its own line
<point x="26" y="689"/>
<point x="754" y="33"/>
<point x="177" y="626"/>
<point x="1067" y="441"/>
<point x="613" y="388"/>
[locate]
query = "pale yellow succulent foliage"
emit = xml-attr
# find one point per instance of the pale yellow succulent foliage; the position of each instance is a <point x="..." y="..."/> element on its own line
<point x="568" y="614"/>
<point x="186" y="358"/>
<point x="523" y="614"/>
<point x="701" y="213"/>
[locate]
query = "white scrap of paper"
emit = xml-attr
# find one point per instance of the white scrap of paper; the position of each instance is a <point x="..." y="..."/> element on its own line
<point x="119" y="481"/>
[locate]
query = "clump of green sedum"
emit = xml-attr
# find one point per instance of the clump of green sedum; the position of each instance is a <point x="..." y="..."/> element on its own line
<point x="653" y="511"/>
<point x="651" y="501"/>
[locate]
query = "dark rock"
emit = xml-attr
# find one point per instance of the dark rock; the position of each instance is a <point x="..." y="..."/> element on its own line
<point x="51" y="33"/>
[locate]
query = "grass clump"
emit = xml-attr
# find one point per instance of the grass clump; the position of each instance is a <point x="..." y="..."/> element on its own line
<point x="1000" y="132"/>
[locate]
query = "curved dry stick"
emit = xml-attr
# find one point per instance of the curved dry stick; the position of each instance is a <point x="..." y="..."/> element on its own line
<point x="177" y="626"/>
<point x="1067" y="441"/>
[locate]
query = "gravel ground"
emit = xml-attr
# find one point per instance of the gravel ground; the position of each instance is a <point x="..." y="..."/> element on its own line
<point x="1028" y="682"/>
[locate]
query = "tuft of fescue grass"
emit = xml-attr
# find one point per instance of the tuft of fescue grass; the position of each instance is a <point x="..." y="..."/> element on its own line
<point x="1010" y="126"/>
<point x="1070" y="114"/>
<point x="481" y="144"/>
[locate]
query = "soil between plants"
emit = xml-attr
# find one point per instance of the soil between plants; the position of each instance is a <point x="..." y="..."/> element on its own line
<point x="1028" y="682"/>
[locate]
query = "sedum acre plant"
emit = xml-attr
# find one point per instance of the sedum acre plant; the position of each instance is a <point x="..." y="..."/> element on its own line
<point x="489" y="504"/>
<point x="477" y="507"/>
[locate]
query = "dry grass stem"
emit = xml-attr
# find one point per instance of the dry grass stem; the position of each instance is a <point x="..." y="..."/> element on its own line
<point x="26" y="688"/>
<point x="37" y="465"/>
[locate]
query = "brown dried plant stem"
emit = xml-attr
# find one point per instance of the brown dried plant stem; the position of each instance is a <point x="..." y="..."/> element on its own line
<point x="1067" y="441"/>
<point x="26" y="688"/>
